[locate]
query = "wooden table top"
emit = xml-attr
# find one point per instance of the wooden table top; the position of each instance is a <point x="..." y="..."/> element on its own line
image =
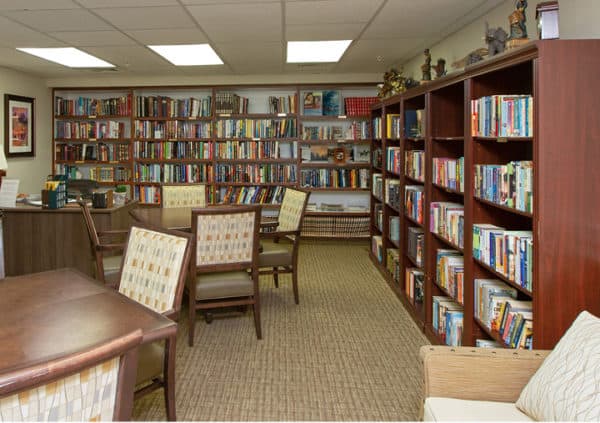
<point x="179" y="218"/>
<point x="51" y="314"/>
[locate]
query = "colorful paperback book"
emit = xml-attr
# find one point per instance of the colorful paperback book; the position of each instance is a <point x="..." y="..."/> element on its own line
<point x="313" y="103"/>
<point x="331" y="103"/>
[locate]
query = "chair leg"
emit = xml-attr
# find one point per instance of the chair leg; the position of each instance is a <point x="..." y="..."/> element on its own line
<point x="295" y="285"/>
<point x="276" y="277"/>
<point x="257" y="325"/>
<point x="191" y="319"/>
<point x="169" y="378"/>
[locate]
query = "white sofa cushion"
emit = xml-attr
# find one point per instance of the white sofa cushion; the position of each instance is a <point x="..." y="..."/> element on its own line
<point x="566" y="387"/>
<point x="450" y="409"/>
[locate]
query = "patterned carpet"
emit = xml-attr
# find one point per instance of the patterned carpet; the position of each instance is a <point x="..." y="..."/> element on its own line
<point x="349" y="351"/>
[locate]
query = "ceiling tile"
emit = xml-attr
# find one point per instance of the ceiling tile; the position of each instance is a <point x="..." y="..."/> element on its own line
<point x="314" y="32"/>
<point x="247" y="22"/>
<point x="59" y="20"/>
<point x="263" y="55"/>
<point x="128" y="19"/>
<point x="168" y="36"/>
<point x="221" y="2"/>
<point x="93" y="38"/>
<point x="330" y="11"/>
<point x="96" y="4"/>
<point x="132" y="56"/>
<point x="389" y="51"/>
<point x="37" y="4"/>
<point x="13" y="34"/>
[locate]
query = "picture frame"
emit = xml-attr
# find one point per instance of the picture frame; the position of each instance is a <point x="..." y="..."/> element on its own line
<point x="19" y="126"/>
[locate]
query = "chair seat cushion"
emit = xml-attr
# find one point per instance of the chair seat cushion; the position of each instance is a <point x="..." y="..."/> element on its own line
<point x="275" y="254"/>
<point x="150" y="362"/>
<point x="450" y="409"/>
<point x="223" y="285"/>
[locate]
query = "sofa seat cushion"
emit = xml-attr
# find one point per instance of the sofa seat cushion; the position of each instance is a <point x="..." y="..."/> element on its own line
<point x="150" y="362"/>
<point x="275" y="254"/>
<point x="450" y="409"/>
<point x="210" y="286"/>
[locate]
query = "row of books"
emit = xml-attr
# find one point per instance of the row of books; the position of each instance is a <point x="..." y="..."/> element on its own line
<point x="509" y="185"/>
<point x="255" y="173"/>
<point x="509" y="253"/>
<point x="227" y="103"/>
<point x="414" y="123"/>
<point x="377" y="158"/>
<point x="168" y="173"/>
<point x="253" y="150"/>
<point x="90" y="130"/>
<point x="377" y="185"/>
<point x="147" y="194"/>
<point x="378" y="212"/>
<point x="447" y="220"/>
<point x="447" y="320"/>
<point x="415" y="244"/>
<point x="322" y="103"/>
<point x="88" y="106"/>
<point x="252" y="195"/>
<point x="394" y="228"/>
<point x="170" y="150"/>
<point x="488" y="295"/>
<point x="377" y="124"/>
<point x="414" y="164"/>
<point x="377" y="247"/>
<point x="393" y="126"/>
<point x="393" y="195"/>
<point x="514" y="323"/>
<point x="449" y="172"/>
<point x="167" y="107"/>
<point x="414" y="280"/>
<point x="335" y="178"/>
<point x="93" y="152"/>
<point x="502" y="116"/>
<point x="359" y="106"/>
<point x="109" y="174"/>
<point x="414" y="198"/>
<point x="256" y="128"/>
<point x="450" y="273"/>
<point x="336" y="226"/>
<point x="173" y="129"/>
<point x="356" y="131"/>
<point x="283" y="104"/>
<point x="392" y="263"/>
<point x="393" y="160"/>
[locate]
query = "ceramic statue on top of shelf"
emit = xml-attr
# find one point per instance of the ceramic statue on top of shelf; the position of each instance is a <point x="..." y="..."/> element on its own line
<point x="426" y="67"/>
<point x="495" y="39"/>
<point x="393" y="83"/>
<point x="440" y="68"/>
<point x="518" y="26"/>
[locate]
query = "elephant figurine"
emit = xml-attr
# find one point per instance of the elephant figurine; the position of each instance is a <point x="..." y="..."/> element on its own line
<point x="495" y="39"/>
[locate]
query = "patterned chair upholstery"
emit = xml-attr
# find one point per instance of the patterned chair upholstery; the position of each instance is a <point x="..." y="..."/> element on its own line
<point x="107" y="253"/>
<point x="154" y="272"/>
<point x="189" y="195"/>
<point x="92" y="385"/>
<point x="225" y="261"/>
<point x="282" y="257"/>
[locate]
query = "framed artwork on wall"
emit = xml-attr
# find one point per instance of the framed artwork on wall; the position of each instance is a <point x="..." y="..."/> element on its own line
<point x="19" y="128"/>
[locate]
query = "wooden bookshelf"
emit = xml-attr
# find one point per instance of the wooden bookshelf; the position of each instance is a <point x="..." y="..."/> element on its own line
<point x="560" y="76"/>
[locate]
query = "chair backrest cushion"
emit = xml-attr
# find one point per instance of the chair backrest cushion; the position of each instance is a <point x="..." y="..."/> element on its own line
<point x="292" y="207"/>
<point x="183" y="196"/>
<point x="151" y="268"/>
<point x="225" y="238"/>
<point x="89" y="395"/>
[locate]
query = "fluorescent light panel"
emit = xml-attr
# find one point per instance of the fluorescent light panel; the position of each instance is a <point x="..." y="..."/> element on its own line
<point x="68" y="56"/>
<point x="316" y="51"/>
<point x="188" y="54"/>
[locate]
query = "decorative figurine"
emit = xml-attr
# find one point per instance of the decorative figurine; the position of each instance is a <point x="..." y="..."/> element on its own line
<point x="440" y="68"/>
<point x="495" y="39"/>
<point x="393" y="83"/>
<point x="473" y="57"/>
<point x="518" y="28"/>
<point x="426" y="67"/>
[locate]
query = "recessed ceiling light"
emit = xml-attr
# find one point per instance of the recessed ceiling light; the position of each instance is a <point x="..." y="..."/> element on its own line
<point x="189" y="54"/>
<point x="68" y="56"/>
<point x="316" y="51"/>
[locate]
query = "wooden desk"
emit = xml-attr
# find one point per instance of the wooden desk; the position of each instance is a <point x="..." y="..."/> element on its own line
<point x="37" y="239"/>
<point x="51" y="314"/>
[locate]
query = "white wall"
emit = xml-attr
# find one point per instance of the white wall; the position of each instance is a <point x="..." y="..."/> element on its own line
<point x="577" y="19"/>
<point x="31" y="171"/>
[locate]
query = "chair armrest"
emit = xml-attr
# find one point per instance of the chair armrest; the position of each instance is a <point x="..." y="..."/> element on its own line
<point x="268" y="224"/>
<point x="277" y="235"/>
<point x="110" y="247"/>
<point x="483" y="374"/>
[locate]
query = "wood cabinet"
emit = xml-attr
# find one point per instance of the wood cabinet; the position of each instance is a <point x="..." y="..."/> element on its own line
<point x="550" y="141"/>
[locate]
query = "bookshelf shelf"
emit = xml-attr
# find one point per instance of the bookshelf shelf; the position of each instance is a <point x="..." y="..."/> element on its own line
<point x="413" y="221"/>
<point x="413" y="180"/>
<point x="447" y="242"/>
<point x="554" y="182"/>
<point x="413" y="262"/>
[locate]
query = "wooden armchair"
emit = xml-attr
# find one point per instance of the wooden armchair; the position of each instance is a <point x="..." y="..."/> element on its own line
<point x="476" y="374"/>
<point x="178" y="195"/>
<point x="107" y="248"/>
<point x="281" y="241"/>
<point x="224" y="271"/>
<point x="92" y="385"/>
<point x="154" y="273"/>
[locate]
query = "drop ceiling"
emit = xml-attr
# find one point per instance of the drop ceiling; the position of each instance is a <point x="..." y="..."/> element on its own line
<point x="249" y="35"/>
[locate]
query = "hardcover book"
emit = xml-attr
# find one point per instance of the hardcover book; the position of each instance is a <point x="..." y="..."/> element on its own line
<point x="313" y="103"/>
<point x="331" y="103"/>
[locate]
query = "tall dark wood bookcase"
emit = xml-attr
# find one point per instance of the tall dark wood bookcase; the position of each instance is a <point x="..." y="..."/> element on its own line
<point x="561" y="76"/>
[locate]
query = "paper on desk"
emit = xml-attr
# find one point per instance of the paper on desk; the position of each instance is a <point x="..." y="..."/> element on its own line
<point x="8" y="192"/>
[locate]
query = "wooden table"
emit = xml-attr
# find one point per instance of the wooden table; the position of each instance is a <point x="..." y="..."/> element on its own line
<point x="52" y="314"/>
<point x="37" y="239"/>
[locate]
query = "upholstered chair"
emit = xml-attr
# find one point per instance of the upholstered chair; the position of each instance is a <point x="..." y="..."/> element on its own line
<point x="107" y="249"/>
<point x="91" y="385"/>
<point x="224" y="270"/>
<point x="154" y="271"/>
<point x="280" y="244"/>
<point x="188" y="195"/>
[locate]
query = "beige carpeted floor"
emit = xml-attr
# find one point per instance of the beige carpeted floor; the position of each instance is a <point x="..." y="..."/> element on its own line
<point x="349" y="351"/>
